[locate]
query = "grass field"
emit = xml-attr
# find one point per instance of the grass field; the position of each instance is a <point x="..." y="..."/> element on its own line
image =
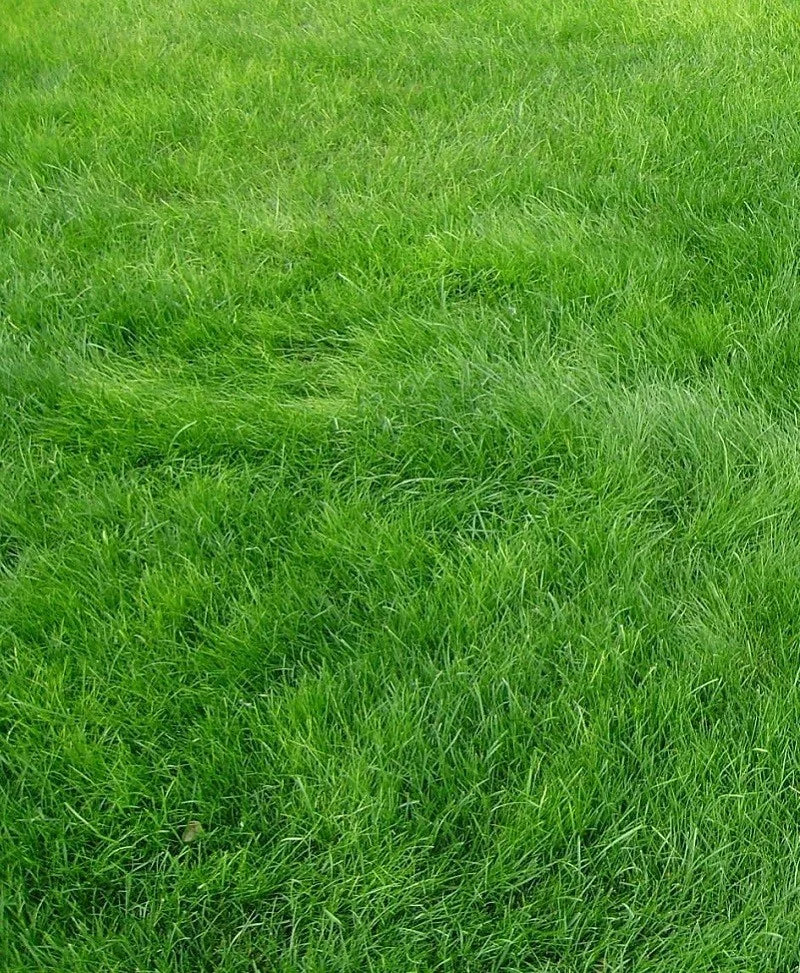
<point x="400" y="477"/>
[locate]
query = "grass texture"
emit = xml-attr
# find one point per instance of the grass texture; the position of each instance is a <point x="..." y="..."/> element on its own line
<point x="400" y="486"/>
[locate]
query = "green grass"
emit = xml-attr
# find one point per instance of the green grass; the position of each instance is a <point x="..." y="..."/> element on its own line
<point x="400" y="476"/>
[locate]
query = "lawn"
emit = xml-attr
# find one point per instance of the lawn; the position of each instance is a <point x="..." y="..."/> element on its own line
<point x="400" y="486"/>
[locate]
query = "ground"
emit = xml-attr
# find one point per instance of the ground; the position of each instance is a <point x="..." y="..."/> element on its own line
<point x="399" y="485"/>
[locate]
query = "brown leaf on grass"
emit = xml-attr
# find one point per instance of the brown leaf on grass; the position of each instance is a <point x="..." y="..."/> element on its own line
<point x="192" y="830"/>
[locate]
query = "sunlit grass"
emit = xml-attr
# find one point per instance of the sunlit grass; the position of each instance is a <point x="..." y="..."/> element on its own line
<point x="399" y="486"/>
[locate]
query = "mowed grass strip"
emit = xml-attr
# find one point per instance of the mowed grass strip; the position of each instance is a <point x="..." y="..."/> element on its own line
<point x="399" y="486"/>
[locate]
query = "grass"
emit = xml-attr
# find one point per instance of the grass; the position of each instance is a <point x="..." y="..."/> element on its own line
<point x="400" y="477"/>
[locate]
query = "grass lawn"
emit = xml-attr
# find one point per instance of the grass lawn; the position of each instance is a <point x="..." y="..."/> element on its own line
<point x="400" y="477"/>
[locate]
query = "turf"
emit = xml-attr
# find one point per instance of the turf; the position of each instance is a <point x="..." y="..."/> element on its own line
<point x="399" y="477"/>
